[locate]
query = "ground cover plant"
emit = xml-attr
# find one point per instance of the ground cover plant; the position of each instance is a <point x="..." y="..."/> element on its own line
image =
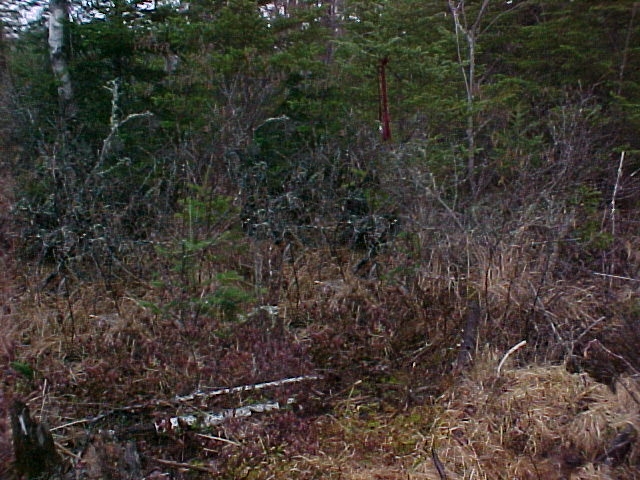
<point x="214" y="264"/>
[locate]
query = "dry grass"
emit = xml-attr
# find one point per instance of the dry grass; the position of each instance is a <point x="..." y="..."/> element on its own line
<point x="522" y="423"/>
<point x="527" y="424"/>
<point x="382" y="336"/>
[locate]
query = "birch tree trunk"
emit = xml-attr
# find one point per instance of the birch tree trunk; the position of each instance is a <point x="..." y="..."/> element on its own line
<point x="58" y="15"/>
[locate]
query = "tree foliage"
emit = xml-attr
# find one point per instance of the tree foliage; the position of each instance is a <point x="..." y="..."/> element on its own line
<point x="280" y="101"/>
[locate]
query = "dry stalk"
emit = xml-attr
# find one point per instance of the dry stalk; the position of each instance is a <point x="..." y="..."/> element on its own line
<point x="614" y="194"/>
<point x="186" y="466"/>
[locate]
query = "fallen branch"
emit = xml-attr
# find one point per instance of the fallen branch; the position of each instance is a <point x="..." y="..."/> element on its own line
<point x="200" y="420"/>
<point x="207" y="420"/>
<point x="509" y="352"/>
<point x="245" y="388"/>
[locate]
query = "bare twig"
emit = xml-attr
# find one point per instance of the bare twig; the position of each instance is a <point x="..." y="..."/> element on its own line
<point x="219" y="439"/>
<point x="627" y="43"/>
<point x="598" y="344"/>
<point x="509" y="352"/>
<point x="186" y="466"/>
<point x="618" y="277"/>
<point x="115" y="122"/>
<point x="586" y="330"/>
<point x="613" y="195"/>
<point x="434" y="191"/>
<point x="438" y="464"/>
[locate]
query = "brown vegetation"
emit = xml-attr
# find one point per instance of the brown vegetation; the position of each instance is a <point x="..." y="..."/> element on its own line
<point x="104" y="362"/>
<point x="219" y="270"/>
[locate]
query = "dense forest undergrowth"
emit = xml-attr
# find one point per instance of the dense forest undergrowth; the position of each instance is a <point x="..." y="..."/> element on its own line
<point x="339" y="240"/>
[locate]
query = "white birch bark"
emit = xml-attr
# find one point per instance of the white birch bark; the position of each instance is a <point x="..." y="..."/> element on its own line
<point x="58" y="15"/>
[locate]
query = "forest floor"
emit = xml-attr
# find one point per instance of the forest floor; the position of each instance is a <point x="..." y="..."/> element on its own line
<point x="350" y="377"/>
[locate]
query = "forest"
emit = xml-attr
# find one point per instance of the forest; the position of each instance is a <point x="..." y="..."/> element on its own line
<point x="336" y="239"/>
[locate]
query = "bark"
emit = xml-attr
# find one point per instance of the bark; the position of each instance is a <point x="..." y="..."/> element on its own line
<point x="58" y="15"/>
<point x="35" y="452"/>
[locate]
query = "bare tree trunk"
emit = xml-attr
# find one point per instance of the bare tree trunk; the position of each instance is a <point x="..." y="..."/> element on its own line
<point x="58" y="15"/>
<point x="467" y="61"/>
